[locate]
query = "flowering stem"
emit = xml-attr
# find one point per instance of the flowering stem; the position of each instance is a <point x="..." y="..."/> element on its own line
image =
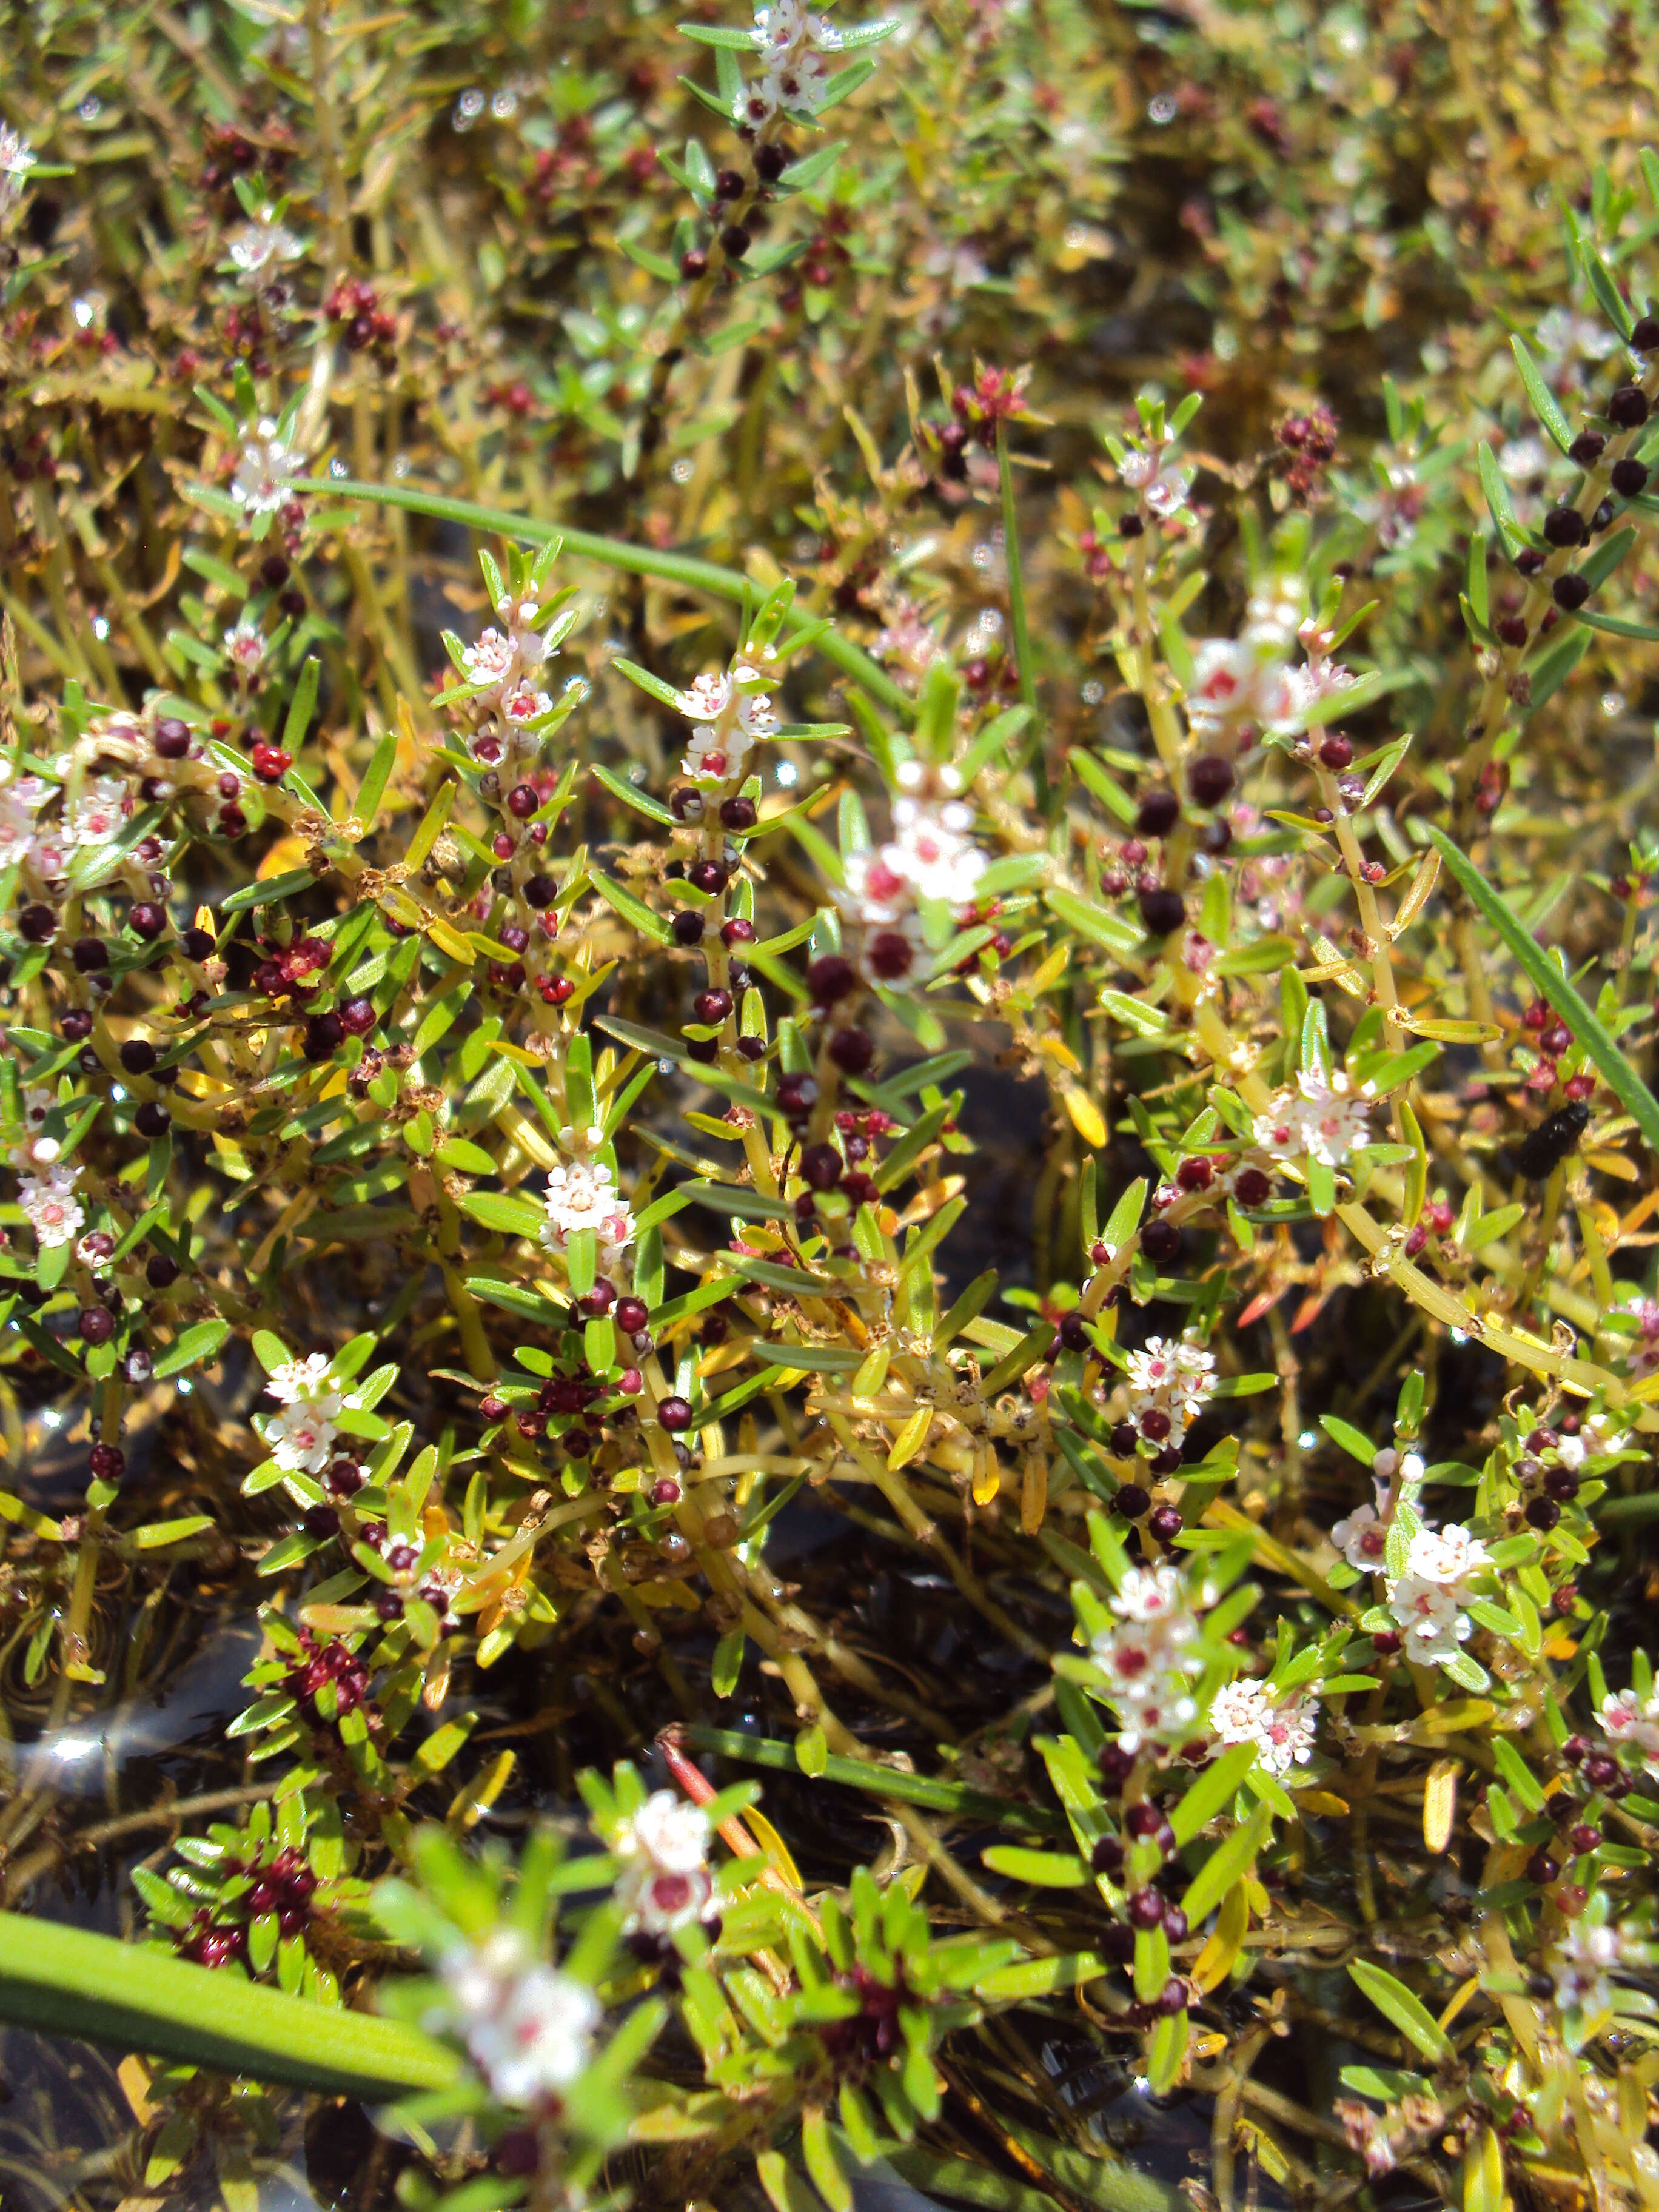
<point x="1017" y="618"/>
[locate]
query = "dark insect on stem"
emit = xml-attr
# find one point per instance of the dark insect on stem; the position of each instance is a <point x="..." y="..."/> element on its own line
<point x="1551" y="1142"/>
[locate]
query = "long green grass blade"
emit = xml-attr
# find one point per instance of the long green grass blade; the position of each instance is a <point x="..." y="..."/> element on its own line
<point x="67" y="1981"/>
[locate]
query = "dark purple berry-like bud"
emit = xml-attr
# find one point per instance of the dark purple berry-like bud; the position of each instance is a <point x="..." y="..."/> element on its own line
<point x="138" y="1055"/>
<point x="1627" y="408"/>
<point x="152" y="1119"/>
<point x="1158" y="814"/>
<point x="674" y="1414"/>
<point x="688" y="925"/>
<point x="1569" y="592"/>
<point x="1162" y="911"/>
<point x="1132" y="1500"/>
<point x="853" y="1051"/>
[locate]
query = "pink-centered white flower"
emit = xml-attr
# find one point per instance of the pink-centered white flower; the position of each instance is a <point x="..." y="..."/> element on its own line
<point x="1429" y="1614"/>
<point x="665" y="1883"/>
<point x="264" y="474"/>
<point x="301" y="1438"/>
<point x="582" y="1193"/>
<point x="54" y="1212"/>
<point x="1321" y="1118"/>
<point x="245" y="648"/>
<point x="528" y="2028"/>
<point x="97" y="812"/>
<point x="1628" y="1719"/>
<point x="260" y="250"/>
<point x="1282" y="1730"/>
<point x="1362" y="1539"/>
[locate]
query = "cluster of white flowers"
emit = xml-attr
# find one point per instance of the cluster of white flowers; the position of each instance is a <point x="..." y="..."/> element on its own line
<point x="16" y="159"/>
<point x="260" y="250"/>
<point x="1244" y="683"/>
<point x="666" y="1882"/>
<point x="528" y="2028"/>
<point x="1148" y="1658"/>
<point x="930" y="859"/>
<point x="1321" y="1118"/>
<point x="1173" y="1379"/>
<point x="301" y="1437"/>
<point x="265" y="473"/>
<point x="792" y="44"/>
<point x="582" y="1193"/>
<point x="730" y="710"/>
<point x="1427" y="1599"/>
<point x="506" y="662"/>
<point x="92" y="812"/>
<point x="1282" y="1729"/>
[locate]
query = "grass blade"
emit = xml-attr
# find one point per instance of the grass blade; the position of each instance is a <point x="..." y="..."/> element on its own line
<point x="1615" y="1070"/>
<point x="70" y="1982"/>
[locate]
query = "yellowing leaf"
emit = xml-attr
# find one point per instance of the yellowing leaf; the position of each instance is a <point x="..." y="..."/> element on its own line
<point x="773" y="1844"/>
<point x="286" y="854"/>
<point x="1226" y="1939"/>
<point x="909" y="1439"/>
<point x="1085" y="1117"/>
<point x="449" y="940"/>
<point x="1449" y="1032"/>
<point x="1440" y="1802"/>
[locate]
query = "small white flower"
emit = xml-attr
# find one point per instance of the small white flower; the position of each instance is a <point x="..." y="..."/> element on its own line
<point x="1430" y="1615"/>
<point x="524" y="703"/>
<point x="54" y="1212"/>
<point x="16" y="159"/>
<point x="1449" y="1555"/>
<point x="1627" y="1720"/>
<point x="669" y="1832"/>
<point x="528" y="2028"/>
<point x="667" y="1883"/>
<point x="98" y="813"/>
<point x="1596" y="1437"/>
<point x="1362" y="1539"/>
<point x="1147" y="1594"/>
<point x="708" y="699"/>
<point x="1283" y="1732"/>
<point x="491" y="660"/>
<point x="260" y="250"/>
<point x="265" y="471"/>
<point x="301" y="1438"/>
<point x="245" y="648"/>
<point x="306" y="1382"/>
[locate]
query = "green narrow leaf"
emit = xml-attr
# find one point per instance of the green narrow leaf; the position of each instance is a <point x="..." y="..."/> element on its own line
<point x="1620" y="1078"/>
<point x="67" y="1981"/>
<point x="301" y="706"/>
<point x="1408" y="2013"/>
<point x="1543" y="399"/>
